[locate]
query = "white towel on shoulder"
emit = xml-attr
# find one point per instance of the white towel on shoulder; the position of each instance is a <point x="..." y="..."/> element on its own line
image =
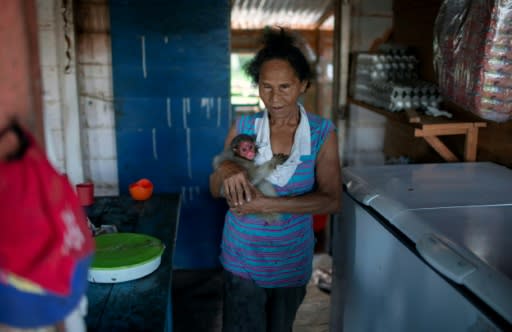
<point x="301" y="146"/>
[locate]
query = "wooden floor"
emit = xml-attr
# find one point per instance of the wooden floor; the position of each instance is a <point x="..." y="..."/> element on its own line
<point x="197" y="302"/>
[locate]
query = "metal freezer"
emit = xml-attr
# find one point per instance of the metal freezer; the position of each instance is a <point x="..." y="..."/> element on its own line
<point x="423" y="248"/>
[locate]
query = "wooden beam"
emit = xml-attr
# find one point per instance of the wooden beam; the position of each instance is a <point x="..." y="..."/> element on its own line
<point x="441" y="131"/>
<point x="381" y="40"/>
<point x="470" y="145"/>
<point x="342" y="25"/>
<point x="412" y="115"/>
<point x="439" y="146"/>
<point x="250" y="40"/>
<point x="445" y="125"/>
<point x="329" y="11"/>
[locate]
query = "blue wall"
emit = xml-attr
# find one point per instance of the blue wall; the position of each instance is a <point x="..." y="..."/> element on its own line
<point x="170" y="64"/>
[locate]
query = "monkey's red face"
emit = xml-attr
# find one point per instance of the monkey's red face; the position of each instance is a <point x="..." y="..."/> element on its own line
<point x="247" y="150"/>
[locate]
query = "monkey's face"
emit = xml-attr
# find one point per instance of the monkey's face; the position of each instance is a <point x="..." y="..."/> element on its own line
<point x="246" y="150"/>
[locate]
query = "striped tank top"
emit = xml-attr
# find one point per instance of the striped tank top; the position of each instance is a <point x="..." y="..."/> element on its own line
<point x="278" y="254"/>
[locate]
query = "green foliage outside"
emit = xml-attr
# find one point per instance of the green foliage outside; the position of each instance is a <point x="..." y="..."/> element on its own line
<point x="243" y="91"/>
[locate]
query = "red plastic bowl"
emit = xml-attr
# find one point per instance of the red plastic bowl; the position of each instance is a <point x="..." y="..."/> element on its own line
<point x="141" y="190"/>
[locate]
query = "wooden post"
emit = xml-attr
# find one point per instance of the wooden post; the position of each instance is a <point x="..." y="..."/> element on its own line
<point x="412" y="115"/>
<point x="441" y="148"/>
<point x="470" y="145"/>
<point x="341" y="54"/>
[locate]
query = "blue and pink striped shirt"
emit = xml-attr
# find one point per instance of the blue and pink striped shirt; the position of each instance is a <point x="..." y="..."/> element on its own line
<point x="277" y="254"/>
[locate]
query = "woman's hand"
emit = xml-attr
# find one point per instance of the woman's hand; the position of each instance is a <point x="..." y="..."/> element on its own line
<point x="237" y="188"/>
<point x="255" y="205"/>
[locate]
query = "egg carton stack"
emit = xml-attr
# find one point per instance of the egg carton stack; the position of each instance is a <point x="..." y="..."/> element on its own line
<point x="414" y="94"/>
<point x="390" y="80"/>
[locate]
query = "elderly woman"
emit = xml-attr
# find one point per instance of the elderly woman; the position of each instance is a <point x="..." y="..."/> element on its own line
<point x="267" y="265"/>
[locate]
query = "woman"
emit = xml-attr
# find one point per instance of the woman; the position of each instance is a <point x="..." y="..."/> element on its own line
<point x="267" y="265"/>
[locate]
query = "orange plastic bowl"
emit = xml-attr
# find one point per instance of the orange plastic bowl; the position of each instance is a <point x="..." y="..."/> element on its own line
<point x="141" y="190"/>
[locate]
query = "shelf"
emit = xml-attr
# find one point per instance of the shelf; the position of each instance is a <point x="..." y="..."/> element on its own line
<point x="430" y="128"/>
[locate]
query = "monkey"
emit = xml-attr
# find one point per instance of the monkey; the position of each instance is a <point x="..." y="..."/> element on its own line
<point x="242" y="150"/>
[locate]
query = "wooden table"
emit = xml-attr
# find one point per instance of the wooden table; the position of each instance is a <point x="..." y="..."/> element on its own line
<point x="430" y="128"/>
<point x="143" y="304"/>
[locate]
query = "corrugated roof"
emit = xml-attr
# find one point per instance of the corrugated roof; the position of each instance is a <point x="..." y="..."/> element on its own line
<point x="294" y="14"/>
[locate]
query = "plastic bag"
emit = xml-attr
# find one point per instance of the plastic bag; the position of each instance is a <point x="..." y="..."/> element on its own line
<point x="473" y="56"/>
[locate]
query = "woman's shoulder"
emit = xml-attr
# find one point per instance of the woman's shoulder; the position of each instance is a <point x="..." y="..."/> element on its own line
<point x="320" y="129"/>
<point x="317" y="122"/>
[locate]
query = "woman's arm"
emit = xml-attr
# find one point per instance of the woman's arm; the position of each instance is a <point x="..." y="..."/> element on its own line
<point x="232" y="177"/>
<point x="325" y="199"/>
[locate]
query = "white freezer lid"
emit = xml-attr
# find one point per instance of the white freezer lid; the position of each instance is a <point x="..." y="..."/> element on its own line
<point x="469" y="245"/>
<point x="420" y="186"/>
<point x="459" y="216"/>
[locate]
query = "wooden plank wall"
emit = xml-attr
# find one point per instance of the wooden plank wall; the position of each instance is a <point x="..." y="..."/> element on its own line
<point x="413" y="25"/>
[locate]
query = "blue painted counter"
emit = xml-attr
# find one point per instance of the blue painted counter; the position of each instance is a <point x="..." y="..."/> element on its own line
<point x="143" y="304"/>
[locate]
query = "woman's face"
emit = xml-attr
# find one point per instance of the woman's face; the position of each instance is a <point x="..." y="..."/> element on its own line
<point x="279" y="88"/>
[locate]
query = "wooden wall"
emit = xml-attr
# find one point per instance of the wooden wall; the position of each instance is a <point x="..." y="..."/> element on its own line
<point x="413" y="23"/>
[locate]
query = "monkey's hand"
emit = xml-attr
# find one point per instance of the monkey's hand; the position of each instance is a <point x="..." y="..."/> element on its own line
<point x="259" y="173"/>
<point x="278" y="159"/>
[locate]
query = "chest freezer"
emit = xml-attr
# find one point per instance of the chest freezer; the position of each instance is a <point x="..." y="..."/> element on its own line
<point x="423" y="248"/>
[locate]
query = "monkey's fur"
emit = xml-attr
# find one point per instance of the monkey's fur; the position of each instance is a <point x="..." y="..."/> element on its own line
<point x="256" y="173"/>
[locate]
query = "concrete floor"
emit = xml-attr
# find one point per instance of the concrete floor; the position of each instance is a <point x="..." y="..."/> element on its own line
<point x="313" y="314"/>
<point x="197" y="302"/>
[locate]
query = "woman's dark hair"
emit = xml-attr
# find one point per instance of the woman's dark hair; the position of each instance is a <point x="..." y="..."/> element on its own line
<point x="280" y="44"/>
